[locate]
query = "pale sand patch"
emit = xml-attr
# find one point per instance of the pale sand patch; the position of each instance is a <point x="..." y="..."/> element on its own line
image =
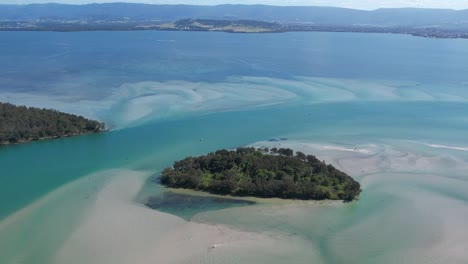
<point x="365" y="151"/>
<point x="447" y="147"/>
<point x="334" y="154"/>
<point x="118" y="230"/>
<point x="416" y="226"/>
<point x="362" y="160"/>
<point x="428" y="205"/>
<point x="31" y="234"/>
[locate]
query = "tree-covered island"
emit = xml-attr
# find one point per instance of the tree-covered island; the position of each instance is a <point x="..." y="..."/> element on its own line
<point x="22" y="124"/>
<point x="262" y="172"/>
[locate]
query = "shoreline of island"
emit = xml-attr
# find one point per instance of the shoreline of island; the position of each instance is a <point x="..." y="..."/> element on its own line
<point x="262" y="173"/>
<point x="21" y="124"/>
<point x="22" y="141"/>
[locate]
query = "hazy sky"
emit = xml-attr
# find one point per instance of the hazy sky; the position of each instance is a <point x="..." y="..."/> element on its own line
<point x="359" y="4"/>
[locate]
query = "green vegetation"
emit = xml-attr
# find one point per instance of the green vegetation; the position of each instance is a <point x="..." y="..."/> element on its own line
<point x="233" y="26"/>
<point x="21" y="123"/>
<point x="262" y="173"/>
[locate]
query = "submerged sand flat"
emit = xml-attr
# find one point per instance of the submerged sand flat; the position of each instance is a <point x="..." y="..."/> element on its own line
<point x="399" y="112"/>
<point x="133" y="104"/>
<point x="115" y="229"/>
<point x="402" y="217"/>
<point x="413" y="210"/>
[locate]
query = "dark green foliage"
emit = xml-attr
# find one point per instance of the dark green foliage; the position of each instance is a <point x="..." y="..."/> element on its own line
<point x="20" y="123"/>
<point x="262" y="173"/>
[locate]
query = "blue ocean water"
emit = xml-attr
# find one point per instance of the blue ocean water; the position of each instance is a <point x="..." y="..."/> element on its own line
<point x="173" y="94"/>
<point x="91" y="64"/>
<point x="37" y="61"/>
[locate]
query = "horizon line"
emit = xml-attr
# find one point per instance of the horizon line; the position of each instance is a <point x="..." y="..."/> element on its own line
<point x="231" y="4"/>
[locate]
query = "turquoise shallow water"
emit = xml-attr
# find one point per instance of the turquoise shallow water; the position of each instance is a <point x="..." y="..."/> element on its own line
<point x="154" y="146"/>
<point x="173" y="94"/>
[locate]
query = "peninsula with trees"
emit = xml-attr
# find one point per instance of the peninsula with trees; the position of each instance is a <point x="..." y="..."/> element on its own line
<point x="262" y="172"/>
<point x="23" y="124"/>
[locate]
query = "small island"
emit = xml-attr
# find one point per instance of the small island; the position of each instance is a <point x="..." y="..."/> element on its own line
<point x="23" y="124"/>
<point x="262" y="172"/>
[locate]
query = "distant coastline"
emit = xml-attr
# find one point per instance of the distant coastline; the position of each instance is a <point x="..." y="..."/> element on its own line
<point x="227" y="26"/>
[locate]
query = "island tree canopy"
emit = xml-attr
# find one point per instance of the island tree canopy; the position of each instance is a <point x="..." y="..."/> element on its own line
<point x="262" y="173"/>
<point x="21" y="123"/>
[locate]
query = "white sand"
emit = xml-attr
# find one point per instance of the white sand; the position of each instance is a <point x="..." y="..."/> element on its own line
<point x="365" y="151"/>
<point x="448" y="147"/>
<point x="117" y="230"/>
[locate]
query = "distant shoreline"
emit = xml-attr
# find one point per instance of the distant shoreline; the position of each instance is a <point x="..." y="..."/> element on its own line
<point x="433" y="36"/>
<point x="233" y="18"/>
<point x="227" y="26"/>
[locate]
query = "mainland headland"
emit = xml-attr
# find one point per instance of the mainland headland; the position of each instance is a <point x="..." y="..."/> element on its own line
<point x="19" y="124"/>
<point x="264" y="173"/>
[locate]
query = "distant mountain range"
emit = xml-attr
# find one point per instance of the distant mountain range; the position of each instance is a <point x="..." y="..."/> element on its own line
<point x="327" y="16"/>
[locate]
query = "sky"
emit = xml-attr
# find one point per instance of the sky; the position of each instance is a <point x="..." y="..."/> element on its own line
<point x="356" y="4"/>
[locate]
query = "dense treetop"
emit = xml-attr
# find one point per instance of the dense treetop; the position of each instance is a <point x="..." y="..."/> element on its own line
<point x="262" y="173"/>
<point x="21" y="123"/>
